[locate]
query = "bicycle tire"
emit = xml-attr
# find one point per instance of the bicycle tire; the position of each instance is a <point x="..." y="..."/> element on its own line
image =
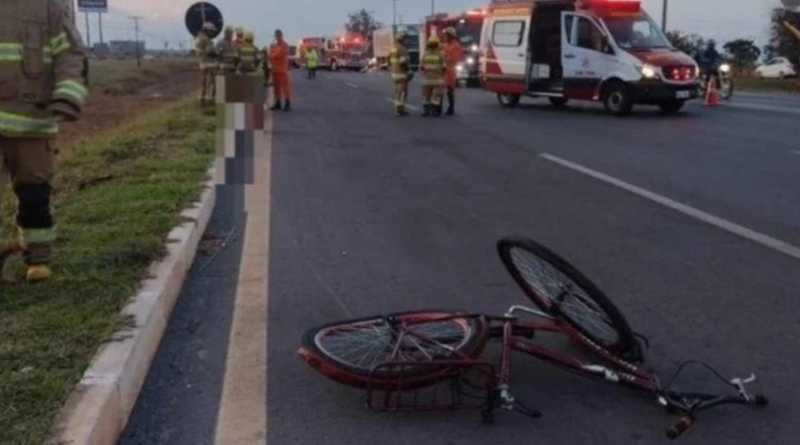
<point x="623" y="344"/>
<point x="369" y="377"/>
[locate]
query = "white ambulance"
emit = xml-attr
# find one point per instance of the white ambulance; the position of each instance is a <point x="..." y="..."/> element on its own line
<point x="602" y="50"/>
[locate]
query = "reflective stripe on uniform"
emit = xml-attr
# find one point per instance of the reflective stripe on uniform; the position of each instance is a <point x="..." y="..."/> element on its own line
<point x="10" y="52"/>
<point x="16" y="125"/>
<point x="433" y="64"/>
<point x="397" y="64"/>
<point x="38" y="236"/>
<point x="72" y="91"/>
<point x="60" y="44"/>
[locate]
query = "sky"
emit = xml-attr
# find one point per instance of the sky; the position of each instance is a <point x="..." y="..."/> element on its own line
<point x="163" y="19"/>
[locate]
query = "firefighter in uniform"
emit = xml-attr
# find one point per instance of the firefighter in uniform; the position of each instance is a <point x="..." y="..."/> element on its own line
<point x="433" y="80"/>
<point x="453" y="55"/>
<point x="41" y="58"/>
<point x="312" y="62"/>
<point x="279" y="61"/>
<point x="227" y="53"/>
<point x="239" y="37"/>
<point x="400" y="68"/>
<point x="207" y="55"/>
<point x="247" y="55"/>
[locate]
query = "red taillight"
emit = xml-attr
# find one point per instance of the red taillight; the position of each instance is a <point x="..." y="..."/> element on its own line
<point x="680" y="73"/>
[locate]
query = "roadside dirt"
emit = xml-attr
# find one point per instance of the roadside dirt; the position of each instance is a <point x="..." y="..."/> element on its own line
<point x="115" y="102"/>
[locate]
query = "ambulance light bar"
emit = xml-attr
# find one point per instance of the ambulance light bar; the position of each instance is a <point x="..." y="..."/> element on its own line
<point x="611" y="5"/>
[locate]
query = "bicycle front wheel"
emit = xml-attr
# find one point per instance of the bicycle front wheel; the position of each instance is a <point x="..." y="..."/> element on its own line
<point x="561" y="290"/>
<point x="356" y="352"/>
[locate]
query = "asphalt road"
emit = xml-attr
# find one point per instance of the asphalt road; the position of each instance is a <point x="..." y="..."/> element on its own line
<point x="373" y="214"/>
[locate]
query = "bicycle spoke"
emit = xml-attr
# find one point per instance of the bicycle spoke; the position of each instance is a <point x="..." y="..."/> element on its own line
<point x="559" y="290"/>
<point x="366" y="345"/>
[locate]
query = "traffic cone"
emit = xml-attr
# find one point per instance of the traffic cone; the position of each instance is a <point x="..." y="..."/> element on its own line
<point x="712" y="95"/>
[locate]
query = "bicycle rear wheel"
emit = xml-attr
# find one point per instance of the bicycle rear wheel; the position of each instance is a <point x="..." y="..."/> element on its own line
<point x="355" y="352"/>
<point x="561" y="290"/>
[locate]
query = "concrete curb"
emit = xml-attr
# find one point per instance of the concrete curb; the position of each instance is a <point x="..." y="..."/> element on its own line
<point x="99" y="406"/>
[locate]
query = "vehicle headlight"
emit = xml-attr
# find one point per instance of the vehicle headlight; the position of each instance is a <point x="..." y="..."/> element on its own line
<point x="649" y="71"/>
<point x="460" y="67"/>
<point x="725" y="68"/>
<point x="474" y="48"/>
<point x="470" y="61"/>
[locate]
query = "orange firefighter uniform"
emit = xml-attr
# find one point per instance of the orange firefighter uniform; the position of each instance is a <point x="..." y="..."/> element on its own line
<point x="279" y="62"/>
<point x="453" y="55"/>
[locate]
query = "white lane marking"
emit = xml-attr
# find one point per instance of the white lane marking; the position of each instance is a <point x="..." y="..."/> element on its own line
<point x="736" y="229"/>
<point x="410" y="107"/>
<point x="752" y="106"/>
<point x="352" y="85"/>
<point x="797" y="152"/>
<point x="242" y="415"/>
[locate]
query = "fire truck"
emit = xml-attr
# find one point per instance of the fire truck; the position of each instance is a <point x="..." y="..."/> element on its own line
<point x="345" y="52"/>
<point x="602" y="50"/>
<point x="469" y="27"/>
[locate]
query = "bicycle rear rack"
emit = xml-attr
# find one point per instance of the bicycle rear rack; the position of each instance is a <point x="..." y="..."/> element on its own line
<point x="461" y="385"/>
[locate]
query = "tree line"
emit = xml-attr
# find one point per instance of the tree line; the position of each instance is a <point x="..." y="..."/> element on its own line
<point x="744" y="53"/>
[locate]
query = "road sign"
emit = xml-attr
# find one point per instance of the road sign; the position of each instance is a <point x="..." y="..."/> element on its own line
<point x="93" y="5"/>
<point x="200" y="13"/>
<point x="791" y="5"/>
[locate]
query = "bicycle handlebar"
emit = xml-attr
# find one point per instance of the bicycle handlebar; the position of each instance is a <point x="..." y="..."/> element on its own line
<point x="686" y="422"/>
<point x="679" y="428"/>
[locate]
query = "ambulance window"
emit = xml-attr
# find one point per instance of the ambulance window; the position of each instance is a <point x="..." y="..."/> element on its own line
<point x="588" y="35"/>
<point x="508" y="33"/>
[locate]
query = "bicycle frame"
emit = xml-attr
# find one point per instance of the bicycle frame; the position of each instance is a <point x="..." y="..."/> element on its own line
<point x="497" y="384"/>
<point x="637" y="376"/>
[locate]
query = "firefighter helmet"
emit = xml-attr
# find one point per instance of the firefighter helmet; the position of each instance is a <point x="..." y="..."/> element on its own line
<point x="433" y="40"/>
<point x="249" y="36"/>
<point x="400" y="36"/>
<point x="450" y="31"/>
<point x="210" y="27"/>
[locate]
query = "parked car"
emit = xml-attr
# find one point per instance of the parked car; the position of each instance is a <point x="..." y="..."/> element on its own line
<point x="777" y="68"/>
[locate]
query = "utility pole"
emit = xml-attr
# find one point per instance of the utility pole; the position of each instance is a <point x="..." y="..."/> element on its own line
<point x="100" y="23"/>
<point x="433" y="7"/>
<point x="136" y="19"/>
<point x="664" y="18"/>
<point x="394" y="14"/>
<point x="88" y="34"/>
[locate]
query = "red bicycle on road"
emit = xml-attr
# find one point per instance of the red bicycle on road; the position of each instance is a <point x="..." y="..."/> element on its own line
<point x="397" y="358"/>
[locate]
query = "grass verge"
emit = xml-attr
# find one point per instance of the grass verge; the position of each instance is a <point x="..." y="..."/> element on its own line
<point x="117" y="198"/>
<point x="756" y="84"/>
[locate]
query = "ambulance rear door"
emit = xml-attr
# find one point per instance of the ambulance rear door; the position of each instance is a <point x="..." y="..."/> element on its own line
<point x="506" y="50"/>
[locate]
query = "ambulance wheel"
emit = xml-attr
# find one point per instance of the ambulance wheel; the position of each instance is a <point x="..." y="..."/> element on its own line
<point x="508" y="100"/>
<point x="617" y="99"/>
<point x="671" y="106"/>
<point x="558" y="102"/>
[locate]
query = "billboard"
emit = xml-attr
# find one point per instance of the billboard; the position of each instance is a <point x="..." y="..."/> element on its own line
<point x="93" y="5"/>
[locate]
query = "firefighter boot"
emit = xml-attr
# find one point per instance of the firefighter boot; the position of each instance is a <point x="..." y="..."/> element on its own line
<point x="451" y="103"/>
<point x="38" y="272"/>
<point x="276" y="106"/>
<point x="288" y="106"/>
